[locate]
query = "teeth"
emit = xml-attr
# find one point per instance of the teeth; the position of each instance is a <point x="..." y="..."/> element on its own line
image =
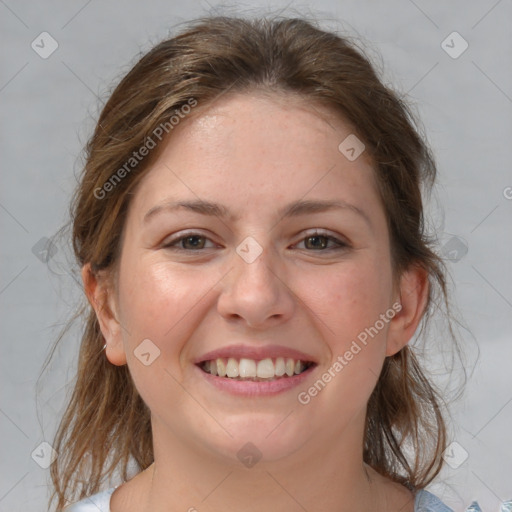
<point x="251" y="369"/>
<point x="280" y="369"/>
<point x="221" y="367"/>
<point x="265" y="369"/>
<point x="247" y="368"/>
<point x="232" y="368"/>
<point x="289" y="367"/>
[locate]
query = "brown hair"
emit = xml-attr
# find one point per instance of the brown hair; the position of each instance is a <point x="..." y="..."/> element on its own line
<point x="106" y="424"/>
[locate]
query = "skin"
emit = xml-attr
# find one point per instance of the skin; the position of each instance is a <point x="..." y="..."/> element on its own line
<point x="254" y="154"/>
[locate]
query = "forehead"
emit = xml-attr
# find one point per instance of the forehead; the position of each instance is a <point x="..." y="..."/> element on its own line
<point x="257" y="150"/>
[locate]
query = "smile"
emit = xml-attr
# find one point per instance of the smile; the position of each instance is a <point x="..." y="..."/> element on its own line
<point x="253" y="378"/>
<point x="245" y="369"/>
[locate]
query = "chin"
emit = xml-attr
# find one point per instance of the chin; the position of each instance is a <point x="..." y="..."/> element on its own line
<point x="259" y="438"/>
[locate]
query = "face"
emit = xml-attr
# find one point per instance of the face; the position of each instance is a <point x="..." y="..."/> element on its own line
<point x="247" y="277"/>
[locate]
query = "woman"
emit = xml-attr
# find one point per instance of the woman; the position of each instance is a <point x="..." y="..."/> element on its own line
<point x="249" y="226"/>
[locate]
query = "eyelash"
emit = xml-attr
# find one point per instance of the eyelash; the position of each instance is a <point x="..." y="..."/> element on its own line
<point x="339" y="244"/>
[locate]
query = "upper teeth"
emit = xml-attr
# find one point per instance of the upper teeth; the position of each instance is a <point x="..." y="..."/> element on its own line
<point x="250" y="368"/>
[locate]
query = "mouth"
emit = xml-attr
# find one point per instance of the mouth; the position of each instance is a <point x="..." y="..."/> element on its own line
<point x="255" y="370"/>
<point x="253" y="378"/>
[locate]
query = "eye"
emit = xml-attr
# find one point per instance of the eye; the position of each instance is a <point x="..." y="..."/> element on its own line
<point x="187" y="242"/>
<point x="320" y="242"/>
<point x="315" y="241"/>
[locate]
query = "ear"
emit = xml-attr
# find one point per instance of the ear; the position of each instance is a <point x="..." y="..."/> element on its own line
<point x="101" y="296"/>
<point x="414" y="289"/>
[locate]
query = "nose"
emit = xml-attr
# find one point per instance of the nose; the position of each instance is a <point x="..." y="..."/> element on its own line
<point x="256" y="293"/>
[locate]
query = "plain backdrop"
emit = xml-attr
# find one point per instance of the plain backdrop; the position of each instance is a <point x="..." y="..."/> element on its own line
<point x="49" y="105"/>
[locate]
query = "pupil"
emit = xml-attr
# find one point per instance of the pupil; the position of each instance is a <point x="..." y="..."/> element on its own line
<point x="318" y="238"/>
<point x="189" y="238"/>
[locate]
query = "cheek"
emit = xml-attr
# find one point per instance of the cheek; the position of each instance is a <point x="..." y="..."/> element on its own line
<point x="347" y="306"/>
<point x="163" y="304"/>
<point x="347" y="300"/>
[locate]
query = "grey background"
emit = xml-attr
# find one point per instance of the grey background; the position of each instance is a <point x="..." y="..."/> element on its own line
<point x="48" y="111"/>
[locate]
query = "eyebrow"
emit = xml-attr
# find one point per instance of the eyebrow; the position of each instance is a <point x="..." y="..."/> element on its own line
<point x="294" y="209"/>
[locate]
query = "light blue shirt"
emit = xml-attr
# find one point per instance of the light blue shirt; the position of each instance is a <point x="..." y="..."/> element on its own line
<point x="100" y="502"/>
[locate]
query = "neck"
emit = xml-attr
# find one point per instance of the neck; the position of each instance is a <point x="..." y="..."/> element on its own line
<point x="320" y="476"/>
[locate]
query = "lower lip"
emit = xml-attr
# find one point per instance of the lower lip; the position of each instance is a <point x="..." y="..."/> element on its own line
<point x="259" y="388"/>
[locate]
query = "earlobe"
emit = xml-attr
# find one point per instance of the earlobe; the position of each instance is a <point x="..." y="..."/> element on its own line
<point x="102" y="299"/>
<point x="414" y="290"/>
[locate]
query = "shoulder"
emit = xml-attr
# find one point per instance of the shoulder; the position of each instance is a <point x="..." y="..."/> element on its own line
<point x="426" y="502"/>
<point x="99" y="502"/>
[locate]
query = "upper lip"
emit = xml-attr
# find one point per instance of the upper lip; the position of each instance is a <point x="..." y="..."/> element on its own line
<point x="253" y="352"/>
